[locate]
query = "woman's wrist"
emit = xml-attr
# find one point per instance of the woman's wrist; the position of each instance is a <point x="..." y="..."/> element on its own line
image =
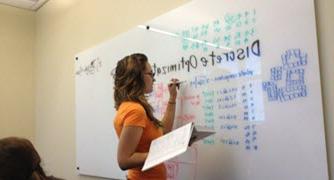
<point x="172" y="102"/>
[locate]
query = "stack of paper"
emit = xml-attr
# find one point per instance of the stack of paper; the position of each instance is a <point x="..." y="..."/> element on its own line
<point x="174" y="143"/>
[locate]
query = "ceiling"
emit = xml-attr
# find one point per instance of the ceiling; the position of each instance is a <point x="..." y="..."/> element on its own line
<point x="32" y="5"/>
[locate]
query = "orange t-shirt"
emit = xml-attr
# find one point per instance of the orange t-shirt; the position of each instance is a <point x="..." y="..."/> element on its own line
<point x="134" y="114"/>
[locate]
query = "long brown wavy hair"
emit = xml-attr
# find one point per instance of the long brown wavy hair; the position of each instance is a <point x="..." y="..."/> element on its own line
<point x="129" y="83"/>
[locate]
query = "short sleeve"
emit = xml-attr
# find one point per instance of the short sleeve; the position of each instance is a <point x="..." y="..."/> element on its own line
<point x="135" y="115"/>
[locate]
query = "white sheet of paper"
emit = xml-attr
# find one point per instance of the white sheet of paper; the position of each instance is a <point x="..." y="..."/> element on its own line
<point x="168" y="146"/>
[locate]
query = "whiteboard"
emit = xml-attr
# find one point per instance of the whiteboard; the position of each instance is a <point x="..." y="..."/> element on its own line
<point x="252" y="73"/>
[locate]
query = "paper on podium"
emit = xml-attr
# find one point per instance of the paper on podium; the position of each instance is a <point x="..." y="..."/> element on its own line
<point x="174" y="143"/>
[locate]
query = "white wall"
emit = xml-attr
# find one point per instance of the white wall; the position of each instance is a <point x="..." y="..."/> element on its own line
<point x="325" y="28"/>
<point x="17" y="39"/>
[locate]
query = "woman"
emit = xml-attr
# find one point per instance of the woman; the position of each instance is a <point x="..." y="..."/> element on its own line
<point x="134" y="123"/>
<point x="20" y="161"/>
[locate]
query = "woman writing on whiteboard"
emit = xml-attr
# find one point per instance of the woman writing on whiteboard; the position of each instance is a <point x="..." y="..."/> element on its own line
<point x="134" y="122"/>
